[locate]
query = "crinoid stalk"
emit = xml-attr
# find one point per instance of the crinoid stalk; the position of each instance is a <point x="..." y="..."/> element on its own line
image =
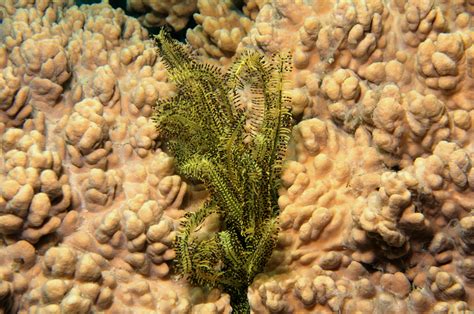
<point x="229" y="132"/>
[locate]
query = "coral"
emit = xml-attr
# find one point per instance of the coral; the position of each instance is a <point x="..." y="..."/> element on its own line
<point x="252" y="7"/>
<point x="86" y="134"/>
<point x="101" y="188"/>
<point x="221" y="24"/>
<point x="419" y="20"/>
<point x="143" y="136"/>
<point x="172" y="12"/>
<point x="317" y="288"/>
<point x="147" y="231"/>
<point x="220" y="29"/>
<point x="73" y="82"/>
<point x="35" y="191"/>
<point x="269" y="295"/>
<point x="387" y="210"/>
<point x="71" y="281"/>
<point x="342" y="88"/>
<point x="437" y="62"/>
<point x="392" y="214"/>
<point x="444" y="285"/>
<point x="13" y="100"/>
<point x="376" y="193"/>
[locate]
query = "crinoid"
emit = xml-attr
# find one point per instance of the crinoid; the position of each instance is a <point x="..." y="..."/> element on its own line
<point x="229" y="132"/>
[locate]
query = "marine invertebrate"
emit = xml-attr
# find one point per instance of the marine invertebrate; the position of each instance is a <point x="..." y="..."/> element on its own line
<point x="236" y="152"/>
<point x="71" y="281"/>
<point x="172" y="12"/>
<point x="438" y="62"/>
<point x="384" y="153"/>
<point x="220" y="29"/>
<point x="86" y="134"/>
<point x="35" y="189"/>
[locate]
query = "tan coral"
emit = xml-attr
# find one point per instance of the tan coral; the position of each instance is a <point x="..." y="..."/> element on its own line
<point x="169" y="189"/>
<point x="14" y="106"/>
<point x="86" y="134"/>
<point x="466" y="232"/>
<point x="445" y="307"/>
<point x="41" y="64"/>
<point x="444" y="174"/>
<point x="312" y="290"/>
<point x="365" y="36"/>
<point x="35" y="189"/>
<point x="388" y="120"/>
<point x="101" y="188"/>
<point x="352" y="32"/>
<point x="74" y="285"/>
<point x="157" y="13"/>
<point x="388" y="209"/>
<point x="376" y="202"/>
<point x="213" y="302"/>
<point x="103" y="85"/>
<point x="427" y="120"/>
<point x="317" y="287"/>
<point x="401" y="124"/>
<point x="143" y="137"/>
<point x="105" y="58"/>
<point x="269" y="295"/>
<point x="252" y="7"/>
<point x="220" y="29"/>
<point x="420" y="20"/>
<point x="44" y="59"/>
<point x="392" y="71"/>
<point x="438" y="62"/>
<point x="170" y="301"/>
<point x="147" y="232"/>
<point x="43" y="71"/>
<point x="342" y="89"/>
<point x="108" y="226"/>
<point x="308" y="35"/>
<point x="144" y="96"/>
<point x="445" y="286"/>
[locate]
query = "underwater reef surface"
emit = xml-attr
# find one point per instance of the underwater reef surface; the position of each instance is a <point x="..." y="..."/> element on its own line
<point x="377" y="195"/>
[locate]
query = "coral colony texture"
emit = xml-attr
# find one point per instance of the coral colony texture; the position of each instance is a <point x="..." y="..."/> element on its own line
<point x="140" y="175"/>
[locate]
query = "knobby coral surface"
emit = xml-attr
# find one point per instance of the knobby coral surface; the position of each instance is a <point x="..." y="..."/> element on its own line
<point x="376" y="203"/>
<point x="175" y="13"/>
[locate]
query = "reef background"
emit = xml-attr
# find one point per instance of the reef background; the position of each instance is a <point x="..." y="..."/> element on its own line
<point x="378" y="188"/>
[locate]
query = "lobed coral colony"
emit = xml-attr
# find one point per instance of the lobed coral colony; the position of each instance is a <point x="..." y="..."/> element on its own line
<point x="137" y="177"/>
